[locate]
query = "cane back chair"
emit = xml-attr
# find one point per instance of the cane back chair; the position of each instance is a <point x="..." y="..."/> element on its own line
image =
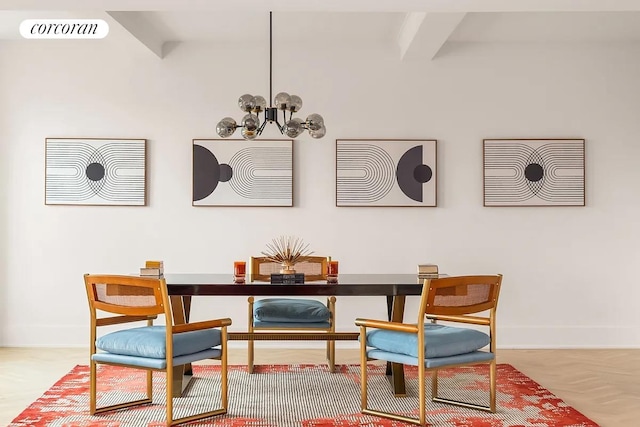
<point x="432" y="346"/>
<point x="126" y="299"/>
<point x="292" y="314"/>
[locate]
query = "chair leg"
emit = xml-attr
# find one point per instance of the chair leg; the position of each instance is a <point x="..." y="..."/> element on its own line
<point x="363" y="369"/>
<point x="422" y="382"/>
<point x="169" y="397"/>
<point x="434" y="384"/>
<point x="150" y="384"/>
<point x="492" y="385"/>
<point x="92" y="388"/>
<point x="224" y="362"/>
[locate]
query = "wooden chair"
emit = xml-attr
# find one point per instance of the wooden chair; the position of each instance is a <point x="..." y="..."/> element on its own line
<point x="151" y="348"/>
<point x="291" y="314"/>
<point x="433" y="346"/>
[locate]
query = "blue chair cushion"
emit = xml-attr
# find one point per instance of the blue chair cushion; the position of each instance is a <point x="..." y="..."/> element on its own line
<point x="285" y="310"/>
<point x="440" y="341"/>
<point x="436" y="362"/>
<point x="150" y="341"/>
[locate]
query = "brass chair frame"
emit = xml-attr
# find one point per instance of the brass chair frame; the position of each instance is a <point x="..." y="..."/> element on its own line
<point x="255" y="274"/>
<point x="433" y="309"/>
<point x="157" y="303"/>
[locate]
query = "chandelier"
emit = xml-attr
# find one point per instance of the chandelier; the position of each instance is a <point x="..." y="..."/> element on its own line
<point x="254" y="105"/>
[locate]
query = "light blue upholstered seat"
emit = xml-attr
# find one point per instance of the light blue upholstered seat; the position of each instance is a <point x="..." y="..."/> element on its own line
<point x="146" y="347"/>
<point x="431" y="346"/>
<point x="440" y="341"/>
<point x="130" y="299"/>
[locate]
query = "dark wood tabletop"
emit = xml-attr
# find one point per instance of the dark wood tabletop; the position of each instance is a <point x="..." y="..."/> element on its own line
<point x="193" y="284"/>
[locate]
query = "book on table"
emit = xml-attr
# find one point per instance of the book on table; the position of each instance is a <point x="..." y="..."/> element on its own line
<point x="151" y="271"/>
<point x="154" y="264"/>
<point x="427" y="269"/>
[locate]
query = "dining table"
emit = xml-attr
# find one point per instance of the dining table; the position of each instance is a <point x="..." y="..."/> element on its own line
<point x="182" y="287"/>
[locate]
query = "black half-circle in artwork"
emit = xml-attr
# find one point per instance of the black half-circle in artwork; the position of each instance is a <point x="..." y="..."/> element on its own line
<point x="411" y="173"/>
<point x="206" y="172"/>
<point x="225" y="172"/>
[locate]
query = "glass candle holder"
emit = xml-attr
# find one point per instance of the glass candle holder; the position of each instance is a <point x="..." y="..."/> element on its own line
<point x="239" y="271"/>
<point x="332" y="268"/>
<point x="332" y="271"/>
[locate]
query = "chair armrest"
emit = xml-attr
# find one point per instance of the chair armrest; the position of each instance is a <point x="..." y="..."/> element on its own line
<point x="474" y="320"/>
<point x="206" y="324"/>
<point x="391" y="326"/>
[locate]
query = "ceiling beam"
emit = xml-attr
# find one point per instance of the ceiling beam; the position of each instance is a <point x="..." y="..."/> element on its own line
<point x="422" y="34"/>
<point x="259" y="6"/>
<point x="139" y="28"/>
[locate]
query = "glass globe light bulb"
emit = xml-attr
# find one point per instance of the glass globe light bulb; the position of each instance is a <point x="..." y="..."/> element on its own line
<point x="246" y="102"/>
<point x="282" y="100"/>
<point x="249" y="134"/>
<point x="250" y="122"/>
<point x="259" y="104"/>
<point x="296" y="103"/>
<point x="315" y="121"/>
<point x="293" y="128"/>
<point x="226" y="127"/>
<point x="319" y="133"/>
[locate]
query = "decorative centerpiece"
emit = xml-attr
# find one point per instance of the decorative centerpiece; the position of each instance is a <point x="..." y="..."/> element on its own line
<point x="287" y="251"/>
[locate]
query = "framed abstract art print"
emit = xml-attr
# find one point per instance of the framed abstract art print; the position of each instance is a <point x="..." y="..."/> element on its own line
<point x="242" y="173"/>
<point x="389" y="172"/>
<point x="534" y="172"/>
<point x="95" y="171"/>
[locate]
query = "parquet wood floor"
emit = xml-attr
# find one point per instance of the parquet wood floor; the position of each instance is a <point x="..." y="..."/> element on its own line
<point x="602" y="384"/>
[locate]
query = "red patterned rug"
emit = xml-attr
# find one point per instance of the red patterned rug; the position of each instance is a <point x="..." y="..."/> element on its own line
<point x="301" y="395"/>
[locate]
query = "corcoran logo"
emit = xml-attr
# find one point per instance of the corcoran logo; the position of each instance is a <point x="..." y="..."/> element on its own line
<point x="64" y="29"/>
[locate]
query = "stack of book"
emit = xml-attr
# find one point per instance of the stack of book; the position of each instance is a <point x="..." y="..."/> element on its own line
<point x="152" y="268"/>
<point x="427" y="271"/>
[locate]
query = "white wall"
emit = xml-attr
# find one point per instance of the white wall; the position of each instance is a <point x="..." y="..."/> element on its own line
<point x="569" y="273"/>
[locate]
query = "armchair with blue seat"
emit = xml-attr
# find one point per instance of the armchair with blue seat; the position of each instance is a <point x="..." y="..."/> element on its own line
<point x="432" y="346"/>
<point x="292" y="314"/>
<point x="118" y="300"/>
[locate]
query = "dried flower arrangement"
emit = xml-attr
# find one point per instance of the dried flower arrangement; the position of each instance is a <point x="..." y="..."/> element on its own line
<point x="287" y="251"/>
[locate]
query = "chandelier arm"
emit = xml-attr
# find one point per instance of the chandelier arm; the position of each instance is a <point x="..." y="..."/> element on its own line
<point x="261" y="128"/>
<point x="278" y="123"/>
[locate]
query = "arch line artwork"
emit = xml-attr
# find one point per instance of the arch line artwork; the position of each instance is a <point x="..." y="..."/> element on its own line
<point x="534" y="172"/>
<point x="386" y="172"/>
<point x="95" y="171"/>
<point x="242" y="173"/>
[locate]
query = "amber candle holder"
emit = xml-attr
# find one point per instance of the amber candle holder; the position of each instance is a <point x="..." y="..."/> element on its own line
<point x="239" y="271"/>
<point x="332" y="271"/>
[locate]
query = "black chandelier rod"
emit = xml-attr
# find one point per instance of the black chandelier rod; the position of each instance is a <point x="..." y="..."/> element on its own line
<point x="270" y="59"/>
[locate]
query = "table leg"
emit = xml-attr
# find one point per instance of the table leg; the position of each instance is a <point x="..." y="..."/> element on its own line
<point x="181" y="307"/>
<point x="395" y="311"/>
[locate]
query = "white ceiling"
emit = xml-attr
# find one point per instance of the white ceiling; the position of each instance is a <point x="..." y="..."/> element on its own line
<point x="411" y="25"/>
